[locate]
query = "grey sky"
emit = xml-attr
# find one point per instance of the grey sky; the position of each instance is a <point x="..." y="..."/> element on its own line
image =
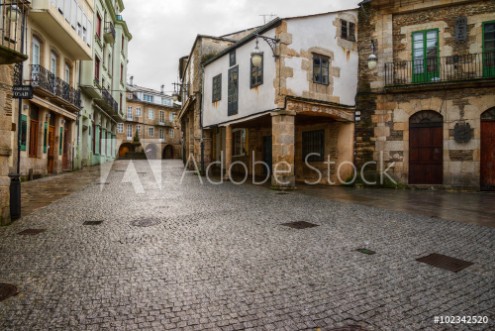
<point x="164" y="30"/>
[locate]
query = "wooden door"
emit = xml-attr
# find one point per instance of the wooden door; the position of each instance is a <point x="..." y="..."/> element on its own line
<point x="426" y="149"/>
<point x="488" y="155"/>
<point x="51" y="149"/>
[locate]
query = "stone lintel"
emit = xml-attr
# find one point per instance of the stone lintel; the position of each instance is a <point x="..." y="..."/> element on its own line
<point x="310" y="108"/>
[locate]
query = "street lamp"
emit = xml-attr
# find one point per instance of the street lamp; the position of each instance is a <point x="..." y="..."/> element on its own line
<point x="13" y="13"/>
<point x="372" y="59"/>
<point x="257" y="54"/>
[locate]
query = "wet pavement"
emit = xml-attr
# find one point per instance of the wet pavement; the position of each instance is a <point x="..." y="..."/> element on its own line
<point x="467" y="207"/>
<point x="166" y="254"/>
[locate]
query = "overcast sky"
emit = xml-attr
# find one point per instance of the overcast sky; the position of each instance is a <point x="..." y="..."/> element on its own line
<point x="165" y="30"/>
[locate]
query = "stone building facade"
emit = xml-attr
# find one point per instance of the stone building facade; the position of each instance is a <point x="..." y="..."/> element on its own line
<point x="428" y="107"/>
<point x="151" y="115"/>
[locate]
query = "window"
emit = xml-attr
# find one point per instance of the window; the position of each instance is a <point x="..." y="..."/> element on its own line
<point x="348" y="30"/>
<point x="23" y="132"/>
<point x="232" y="58"/>
<point x="73" y="14"/>
<point x="53" y="63"/>
<point x="123" y="43"/>
<point x="121" y="104"/>
<point x="121" y="73"/>
<point x="129" y="131"/>
<point x="97" y="69"/>
<point x="162" y="116"/>
<point x="217" y="88"/>
<point x="120" y="127"/>
<point x="233" y="91"/>
<point x="151" y="114"/>
<point x="98" y="25"/>
<point x="320" y="69"/>
<point x="67" y="73"/>
<point x="239" y="142"/>
<point x="151" y="132"/>
<point x="138" y="130"/>
<point x="425" y="56"/>
<point x="171" y="117"/>
<point x="162" y="134"/>
<point x="489" y="49"/>
<point x="147" y="98"/>
<point x="138" y="111"/>
<point x="171" y="133"/>
<point x="167" y="102"/>
<point x="129" y="112"/>
<point x="313" y="142"/>
<point x="36" y="53"/>
<point x="257" y="73"/>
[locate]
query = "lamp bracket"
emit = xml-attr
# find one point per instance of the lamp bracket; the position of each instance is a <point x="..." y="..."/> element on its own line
<point x="272" y="42"/>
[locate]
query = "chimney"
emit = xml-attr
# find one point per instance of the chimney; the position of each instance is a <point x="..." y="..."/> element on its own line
<point x="132" y="81"/>
<point x="163" y="89"/>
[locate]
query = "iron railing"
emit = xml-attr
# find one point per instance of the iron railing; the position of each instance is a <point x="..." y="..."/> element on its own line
<point x="107" y="96"/>
<point x="43" y="78"/>
<point x="440" y="69"/>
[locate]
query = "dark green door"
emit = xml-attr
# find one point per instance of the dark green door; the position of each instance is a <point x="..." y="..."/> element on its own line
<point x="267" y="153"/>
<point x="489" y="49"/>
<point x="425" y="56"/>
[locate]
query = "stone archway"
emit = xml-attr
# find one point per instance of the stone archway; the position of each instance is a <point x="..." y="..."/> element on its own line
<point x="124" y="149"/>
<point x="487" y="162"/>
<point x="426" y="148"/>
<point x="168" y="152"/>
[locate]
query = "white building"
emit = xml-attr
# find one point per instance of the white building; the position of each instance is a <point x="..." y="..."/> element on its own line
<point x="298" y="100"/>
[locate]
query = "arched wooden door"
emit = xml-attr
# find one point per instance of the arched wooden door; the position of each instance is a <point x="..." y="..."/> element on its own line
<point x="168" y="152"/>
<point x="124" y="149"/>
<point x="426" y="148"/>
<point x="487" y="171"/>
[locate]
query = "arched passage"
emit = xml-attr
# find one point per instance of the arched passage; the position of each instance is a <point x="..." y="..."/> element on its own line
<point x="487" y="167"/>
<point x="426" y="148"/>
<point x="168" y="152"/>
<point x="125" y="149"/>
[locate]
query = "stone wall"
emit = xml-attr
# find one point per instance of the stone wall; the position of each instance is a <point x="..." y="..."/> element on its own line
<point x="5" y="140"/>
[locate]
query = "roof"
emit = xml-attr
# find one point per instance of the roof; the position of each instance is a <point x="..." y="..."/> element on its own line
<point x="264" y="28"/>
<point x="137" y="88"/>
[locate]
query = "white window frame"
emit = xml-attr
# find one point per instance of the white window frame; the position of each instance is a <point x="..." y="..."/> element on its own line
<point x="151" y="114"/>
<point x="151" y="132"/>
<point x="238" y="150"/>
<point x="138" y="111"/>
<point x="120" y="127"/>
<point x="129" y="130"/>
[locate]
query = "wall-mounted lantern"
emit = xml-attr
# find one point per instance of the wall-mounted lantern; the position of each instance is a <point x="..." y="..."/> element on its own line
<point x="372" y="59"/>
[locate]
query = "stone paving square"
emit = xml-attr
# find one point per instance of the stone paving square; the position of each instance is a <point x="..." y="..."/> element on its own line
<point x="219" y="258"/>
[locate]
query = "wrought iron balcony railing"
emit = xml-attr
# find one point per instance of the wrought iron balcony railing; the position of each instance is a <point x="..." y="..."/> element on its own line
<point x="45" y="79"/>
<point x="12" y="21"/>
<point x="456" y="68"/>
<point x="107" y="96"/>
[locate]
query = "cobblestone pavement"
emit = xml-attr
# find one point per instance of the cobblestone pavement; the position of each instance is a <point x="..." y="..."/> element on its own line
<point x="218" y="258"/>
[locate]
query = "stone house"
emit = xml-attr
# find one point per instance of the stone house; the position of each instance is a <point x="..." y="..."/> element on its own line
<point x="279" y="103"/>
<point x="428" y="106"/>
<point x="12" y="20"/>
<point x="152" y="115"/>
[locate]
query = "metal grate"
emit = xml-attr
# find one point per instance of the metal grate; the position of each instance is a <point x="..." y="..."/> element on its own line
<point x="93" y="223"/>
<point x="366" y="251"/>
<point x="31" y="232"/>
<point x="300" y="225"/>
<point x="7" y="291"/>
<point x="445" y="262"/>
<point x="146" y="222"/>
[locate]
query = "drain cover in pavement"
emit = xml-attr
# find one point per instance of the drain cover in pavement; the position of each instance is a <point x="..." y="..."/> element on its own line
<point x="146" y="222"/>
<point x="366" y="251"/>
<point x="445" y="262"/>
<point x="7" y="291"/>
<point x="300" y="225"/>
<point x="92" y="222"/>
<point x="31" y="232"/>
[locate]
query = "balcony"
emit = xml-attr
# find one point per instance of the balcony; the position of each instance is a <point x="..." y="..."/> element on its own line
<point x="107" y="102"/>
<point x="46" y="84"/>
<point x="50" y="18"/>
<point x="442" y="70"/>
<point x="165" y="123"/>
<point x="11" y="21"/>
<point x="109" y="35"/>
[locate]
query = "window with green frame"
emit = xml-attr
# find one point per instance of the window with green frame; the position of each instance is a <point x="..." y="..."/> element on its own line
<point x="23" y="132"/>
<point x="61" y="141"/>
<point x="489" y="49"/>
<point x="45" y="137"/>
<point x="425" y="56"/>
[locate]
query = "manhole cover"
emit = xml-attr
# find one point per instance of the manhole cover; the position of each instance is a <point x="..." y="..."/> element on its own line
<point x="300" y="225"/>
<point x="445" y="262"/>
<point x="349" y="328"/>
<point x="92" y="222"/>
<point x="7" y="291"/>
<point x="31" y="232"/>
<point x="366" y="251"/>
<point x="146" y="222"/>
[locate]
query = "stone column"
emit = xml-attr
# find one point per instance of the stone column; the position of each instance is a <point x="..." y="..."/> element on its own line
<point x="228" y="151"/>
<point x="283" y="150"/>
<point x="5" y="141"/>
